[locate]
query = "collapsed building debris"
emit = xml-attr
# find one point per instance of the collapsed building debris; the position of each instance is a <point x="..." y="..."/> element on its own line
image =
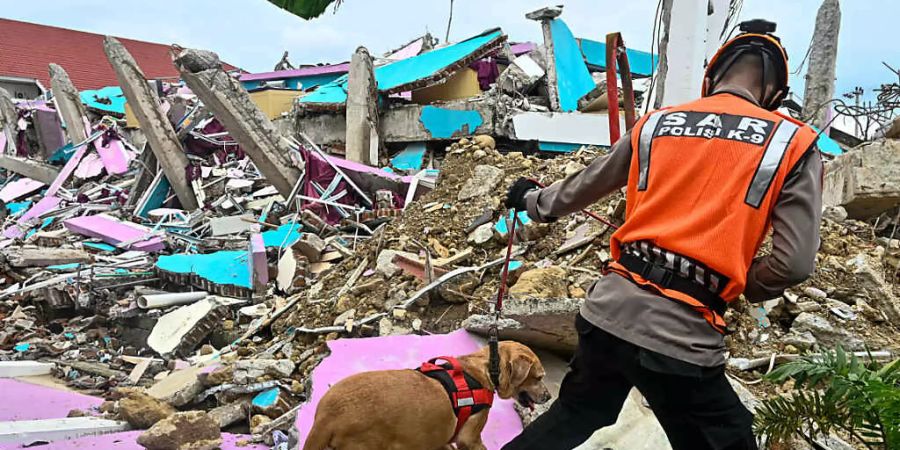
<point x="194" y="267"/>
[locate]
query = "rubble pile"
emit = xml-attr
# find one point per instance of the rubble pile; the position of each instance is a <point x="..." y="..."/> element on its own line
<point x="367" y="294"/>
<point x="851" y="300"/>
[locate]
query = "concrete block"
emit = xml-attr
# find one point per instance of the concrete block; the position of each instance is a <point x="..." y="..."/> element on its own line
<point x="865" y="181"/>
<point x="537" y="322"/>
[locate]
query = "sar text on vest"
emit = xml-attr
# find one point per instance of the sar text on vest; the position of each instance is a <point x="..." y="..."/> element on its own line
<point x="749" y="130"/>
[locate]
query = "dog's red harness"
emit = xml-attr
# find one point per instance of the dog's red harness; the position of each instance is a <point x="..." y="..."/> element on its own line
<point x="467" y="396"/>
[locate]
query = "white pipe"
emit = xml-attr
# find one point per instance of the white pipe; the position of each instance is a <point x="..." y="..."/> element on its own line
<point x="169" y="299"/>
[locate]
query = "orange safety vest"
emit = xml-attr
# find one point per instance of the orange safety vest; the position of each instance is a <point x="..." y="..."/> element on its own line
<point x="703" y="181"/>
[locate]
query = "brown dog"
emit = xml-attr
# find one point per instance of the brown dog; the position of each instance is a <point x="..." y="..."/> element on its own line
<point x="405" y="410"/>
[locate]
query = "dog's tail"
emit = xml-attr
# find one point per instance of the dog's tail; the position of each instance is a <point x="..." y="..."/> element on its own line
<point x="319" y="438"/>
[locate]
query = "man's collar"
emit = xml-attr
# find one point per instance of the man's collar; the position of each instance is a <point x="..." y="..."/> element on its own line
<point x="738" y="92"/>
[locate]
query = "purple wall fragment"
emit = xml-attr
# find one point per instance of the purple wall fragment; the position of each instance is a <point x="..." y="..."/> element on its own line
<point x="259" y="265"/>
<point x="19" y="188"/>
<point x="112" y="152"/>
<point x="301" y="72"/>
<point x="352" y="356"/>
<point x="24" y="224"/>
<point x="114" y="232"/>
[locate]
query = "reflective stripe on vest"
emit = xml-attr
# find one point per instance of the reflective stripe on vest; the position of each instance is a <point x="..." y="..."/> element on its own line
<point x="646" y="140"/>
<point x="771" y="160"/>
<point x="684" y="267"/>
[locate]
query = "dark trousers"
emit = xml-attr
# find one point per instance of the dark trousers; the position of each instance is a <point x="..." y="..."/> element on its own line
<point x="695" y="405"/>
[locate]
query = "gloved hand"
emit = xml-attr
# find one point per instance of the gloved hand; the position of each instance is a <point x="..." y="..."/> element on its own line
<point x="515" y="198"/>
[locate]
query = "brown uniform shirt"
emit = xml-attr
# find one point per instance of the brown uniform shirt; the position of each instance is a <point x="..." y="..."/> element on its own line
<point x="665" y="326"/>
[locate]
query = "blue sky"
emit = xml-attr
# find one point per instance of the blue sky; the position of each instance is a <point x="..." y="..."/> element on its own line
<point x="253" y="34"/>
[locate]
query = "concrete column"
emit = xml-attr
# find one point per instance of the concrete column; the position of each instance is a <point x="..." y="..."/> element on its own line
<point x="155" y="125"/>
<point x="681" y="66"/>
<point x="36" y="170"/>
<point x="231" y="104"/>
<point x="8" y="118"/>
<point x="820" y="74"/>
<point x="545" y="16"/>
<point x="68" y="103"/>
<point x="362" y="110"/>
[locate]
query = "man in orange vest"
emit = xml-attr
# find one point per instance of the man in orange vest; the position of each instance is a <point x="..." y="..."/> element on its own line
<point x="705" y="183"/>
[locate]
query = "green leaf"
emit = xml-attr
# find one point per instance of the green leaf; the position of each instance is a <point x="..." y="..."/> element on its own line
<point x="307" y="9"/>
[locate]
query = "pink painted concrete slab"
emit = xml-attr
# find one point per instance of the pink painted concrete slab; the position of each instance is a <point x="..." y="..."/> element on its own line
<point x="19" y="188"/>
<point x="352" y="356"/>
<point x="114" y="232"/>
<point x="347" y="165"/>
<point x="410" y="50"/>
<point x="127" y="440"/>
<point x="301" y="72"/>
<point x="26" y="401"/>
<point x="67" y="170"/>
<point x="259" y="265"/>
<point x="114" y="155"/>
<point x="89" y="167"/>
<point x="24" y="223"/>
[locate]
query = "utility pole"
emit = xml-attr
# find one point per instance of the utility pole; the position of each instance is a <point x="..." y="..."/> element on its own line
<point x="820" y="74"/>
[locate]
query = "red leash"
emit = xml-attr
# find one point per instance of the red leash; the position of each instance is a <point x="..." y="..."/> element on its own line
<point x="493" y="331"/>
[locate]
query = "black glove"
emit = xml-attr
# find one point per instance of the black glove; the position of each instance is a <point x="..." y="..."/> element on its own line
<point x="515" y="198"/>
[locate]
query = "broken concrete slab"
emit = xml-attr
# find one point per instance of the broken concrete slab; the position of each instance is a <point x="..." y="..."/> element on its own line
<point x="826" y="334"/>
<point x="222" y="226"/>
<point x="483" y="181"/>
<point x="539" y="322"/>
<point x="127" y="440"/>
<point x="230" y="413"/>
<point x="35" y="170"/>
<point x="127" y="235"/>
<point x="178" y="388"/>
<point x="155" y="125"/>
<point x="385" y="262"/>
<point x="411" y="73"/>
<point x="311" y="246"/>
<point x="351" y="356"/>
<point x="865" y="180"/>
<point x="192" y="430"/>
<point x="182" y="329"/>
<point x="29" y="219"/>
<point x="47" y="430"/>
<point x="247" y="125"/>
<point x="569" y="128"/>
<point x="44" y="256"/>
<point x="19" y="188"/>
<point x="14" y="369"/>
<point x="247" y="371"/>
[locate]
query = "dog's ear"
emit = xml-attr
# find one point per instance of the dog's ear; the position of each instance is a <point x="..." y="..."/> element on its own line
<point x="513" y="372"/>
